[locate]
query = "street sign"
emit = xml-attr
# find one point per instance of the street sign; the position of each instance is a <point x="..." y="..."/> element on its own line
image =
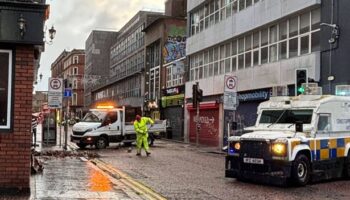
<point x="55" y="93"/>
<point x="230" y="101"/>
<point x="230" y="93"/>
<point x="230" y="83"/>
<point x="55" y="85"/>
<point x="67" y="92"/>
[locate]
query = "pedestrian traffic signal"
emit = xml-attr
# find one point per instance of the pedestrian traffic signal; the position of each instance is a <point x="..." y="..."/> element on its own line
<point x="301" y="77"/>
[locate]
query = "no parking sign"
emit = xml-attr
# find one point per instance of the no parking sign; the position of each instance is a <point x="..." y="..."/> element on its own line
<point x="230" y="93"/>
<point x="55" y="93"/>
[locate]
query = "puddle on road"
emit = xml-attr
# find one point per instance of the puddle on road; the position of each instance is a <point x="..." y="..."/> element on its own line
<point x="99" y="182"/>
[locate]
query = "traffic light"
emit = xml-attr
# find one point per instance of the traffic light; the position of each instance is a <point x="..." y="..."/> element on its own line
<point x="301" y="77"/>
<point x="194" y="95"/>
<point x="197" y="95"/>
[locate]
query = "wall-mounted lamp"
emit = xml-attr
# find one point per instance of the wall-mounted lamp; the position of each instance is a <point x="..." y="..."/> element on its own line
<point x="21" y="25"/>
<point x="41" y="76"/>
<point x="52" y="34"/>
<point x="334" y="34"/>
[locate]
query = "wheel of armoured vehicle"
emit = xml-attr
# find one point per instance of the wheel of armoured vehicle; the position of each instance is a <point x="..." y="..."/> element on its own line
<point x="81" y="145"/>
<point x="347" y="166"/>
<point x="101" y="143"/>
<point x="301" y="170"/>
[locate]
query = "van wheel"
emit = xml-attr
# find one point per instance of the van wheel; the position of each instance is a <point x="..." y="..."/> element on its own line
<point x="127" y="144"/>
<point x="301" y="170"/>
<point x="150" y="141"/>
<point x="101" y="143"/>
<point x="81" y="145"/>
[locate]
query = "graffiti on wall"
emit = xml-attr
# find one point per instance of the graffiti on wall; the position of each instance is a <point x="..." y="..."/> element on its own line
<point x="207" y="124"/>
<point x="175" y="45"/>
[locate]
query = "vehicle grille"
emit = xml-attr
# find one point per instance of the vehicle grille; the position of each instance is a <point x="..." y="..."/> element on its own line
<point x="255" y="149"/>
<point x="78" y="133"/>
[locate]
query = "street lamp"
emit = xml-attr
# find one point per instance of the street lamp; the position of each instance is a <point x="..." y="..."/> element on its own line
<point x="21" y="25"/>
<point x="335" y="33"/>
<point x="52" y="34"/>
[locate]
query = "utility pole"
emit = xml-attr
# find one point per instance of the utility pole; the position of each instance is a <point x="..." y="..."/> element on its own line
<point x="66" y="125"/>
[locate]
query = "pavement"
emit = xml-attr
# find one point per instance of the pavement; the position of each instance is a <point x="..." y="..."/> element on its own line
<point x="75" y="177"/>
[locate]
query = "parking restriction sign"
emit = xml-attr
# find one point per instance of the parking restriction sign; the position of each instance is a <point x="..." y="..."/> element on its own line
<point x="230" y="83"/>
<point x="55" y="93"/>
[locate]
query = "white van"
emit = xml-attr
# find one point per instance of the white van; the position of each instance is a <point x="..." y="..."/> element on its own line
<point x="105" y="125"/>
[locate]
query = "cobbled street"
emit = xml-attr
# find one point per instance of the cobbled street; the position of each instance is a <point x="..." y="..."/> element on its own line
<point x="182" y="171"/>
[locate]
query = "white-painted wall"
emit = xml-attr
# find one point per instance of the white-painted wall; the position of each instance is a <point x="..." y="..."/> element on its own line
<point x="262" y="76"/>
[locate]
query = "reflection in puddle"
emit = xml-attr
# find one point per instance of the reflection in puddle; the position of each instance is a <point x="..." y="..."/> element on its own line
<point x="99" y="182"/>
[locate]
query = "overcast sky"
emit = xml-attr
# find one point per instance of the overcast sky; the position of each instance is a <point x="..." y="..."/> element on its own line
<point x="75" y="19"/>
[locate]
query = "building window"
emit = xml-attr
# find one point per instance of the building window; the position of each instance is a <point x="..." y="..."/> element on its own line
<point x="5" y="89"/>
<point x="75" y="59"/>
<point x="215" y="11"/>
<point x="75" y="71"/>
<point x="75" y="99"/>
<point x="175" y="71"/>
<point x="289" y="38"/>
<point x="75" y="84"/>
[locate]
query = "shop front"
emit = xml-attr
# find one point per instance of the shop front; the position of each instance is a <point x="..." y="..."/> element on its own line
<point x="173" y="111"/>
<point x="248" y="105"/>
<point x="208" y="130"/>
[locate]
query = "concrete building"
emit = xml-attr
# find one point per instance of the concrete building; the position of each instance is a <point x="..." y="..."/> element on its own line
<point x="165" y="41"/>
<point x="21" y="44"/>
<point x="126" y="75"/>
<point x="69" y="66"/>
<point x="97" y="60"/>
<point x="262" y="43"/>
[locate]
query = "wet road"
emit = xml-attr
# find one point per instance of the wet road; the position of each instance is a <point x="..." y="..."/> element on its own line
<point x="73" y="178"/>
<point x="181" y="171"/>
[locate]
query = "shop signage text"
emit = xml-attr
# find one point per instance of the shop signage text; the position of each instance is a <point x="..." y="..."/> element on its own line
<point x="254" y="96"/>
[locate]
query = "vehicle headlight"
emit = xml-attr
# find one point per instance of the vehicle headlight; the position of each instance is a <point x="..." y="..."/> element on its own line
<point x="279" y="149"/>
<point x="235" y="147"/>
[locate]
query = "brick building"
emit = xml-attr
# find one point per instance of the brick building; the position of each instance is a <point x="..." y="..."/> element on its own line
<point x="21" y="44"/>
<point x="39" y="98"/>
<point x="70" y="66"/>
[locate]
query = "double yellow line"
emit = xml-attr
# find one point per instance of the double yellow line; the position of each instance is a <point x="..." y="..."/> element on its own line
<point x="138" y="187"/>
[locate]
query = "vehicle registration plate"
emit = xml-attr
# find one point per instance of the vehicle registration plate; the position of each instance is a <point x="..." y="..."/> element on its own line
<point x="259" y="161"/>
<point x="76" y="141"/>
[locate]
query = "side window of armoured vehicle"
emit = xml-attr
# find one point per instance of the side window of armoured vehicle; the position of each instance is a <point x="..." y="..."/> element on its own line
<point x="324" y="123"/>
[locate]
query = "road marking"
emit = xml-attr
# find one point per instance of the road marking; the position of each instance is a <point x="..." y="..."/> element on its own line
<point x="127" y="180"/>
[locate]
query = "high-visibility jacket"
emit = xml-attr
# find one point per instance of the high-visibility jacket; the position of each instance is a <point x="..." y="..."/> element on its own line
<point x="141" y="127"/>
